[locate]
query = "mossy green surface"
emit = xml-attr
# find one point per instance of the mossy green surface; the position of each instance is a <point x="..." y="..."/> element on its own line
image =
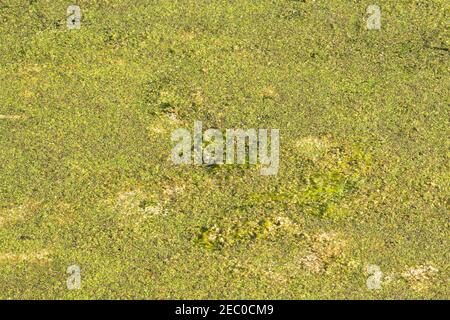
<point x="85" y="171"/>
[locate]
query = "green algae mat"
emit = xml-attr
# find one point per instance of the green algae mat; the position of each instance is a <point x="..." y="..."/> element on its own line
<point x="93" y="206"/>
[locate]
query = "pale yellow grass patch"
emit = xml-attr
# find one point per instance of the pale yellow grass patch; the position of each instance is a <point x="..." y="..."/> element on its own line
<point x="324" y="249"/>
<point x="31" y="69"/>
<point x="312" y="147"/>
<point x="15" y="214"/>
<point x="163" y="125"/>
<point x="420" y="277"/>
<point x="198" y="98"/>
<point x="131" y="202"/>
<point x="40" y="257"/>
<point x="188" y="35"/>
<point x="173" y="190"/>
<point x="27" y="94"/>
<point x="269" y="93"/>
<point x="11" y="117"/>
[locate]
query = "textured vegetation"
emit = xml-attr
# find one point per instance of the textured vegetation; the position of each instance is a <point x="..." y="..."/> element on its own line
<point x="86" y="178"/>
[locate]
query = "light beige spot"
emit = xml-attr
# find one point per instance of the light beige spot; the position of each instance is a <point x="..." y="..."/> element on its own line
<point x="324" y="249"/>
<point x="420" y="277"/>
<point x="312" y="147"/>
<point x="39" y="257"/>
<point x="11" y="117"/>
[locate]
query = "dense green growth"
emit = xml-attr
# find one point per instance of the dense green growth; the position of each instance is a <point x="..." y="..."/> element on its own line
<point x="86" y="178"/>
